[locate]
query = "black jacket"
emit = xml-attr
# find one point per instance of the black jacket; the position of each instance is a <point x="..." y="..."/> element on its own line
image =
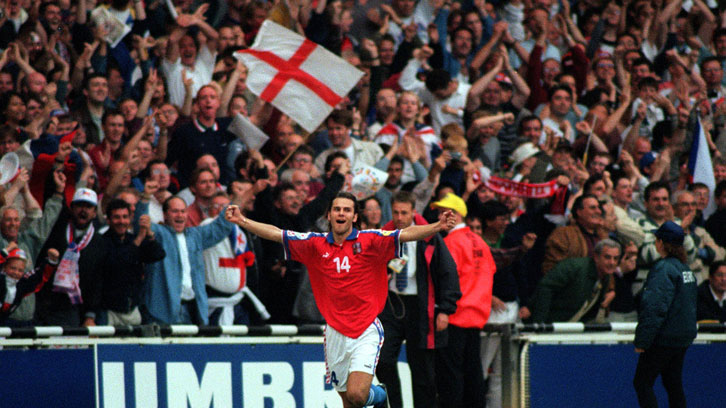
<point x="123" y="270"/>
<point x="58" y="305"/>
<point x="707" y="308"/>
<point x="434" y="267"/>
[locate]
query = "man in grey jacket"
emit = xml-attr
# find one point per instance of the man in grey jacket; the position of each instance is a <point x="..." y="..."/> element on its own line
<point x="31" y="237"/>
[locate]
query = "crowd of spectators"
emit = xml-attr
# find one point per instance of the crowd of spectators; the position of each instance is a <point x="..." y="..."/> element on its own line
<point x="125" y="158"/>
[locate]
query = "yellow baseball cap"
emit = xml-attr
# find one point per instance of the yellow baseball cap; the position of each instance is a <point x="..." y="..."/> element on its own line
<point x="452" y="202"/>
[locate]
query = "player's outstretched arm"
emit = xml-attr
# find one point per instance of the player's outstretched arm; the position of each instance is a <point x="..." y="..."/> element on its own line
<point x="446" y="222"/>
<point x="266" y="231"/>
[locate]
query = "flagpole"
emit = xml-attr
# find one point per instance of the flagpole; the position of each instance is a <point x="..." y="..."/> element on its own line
<point x="589" y="139"/>
<point x="289" y="155"/>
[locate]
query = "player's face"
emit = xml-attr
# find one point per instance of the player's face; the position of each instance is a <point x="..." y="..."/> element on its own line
<point x="342" y="216"/>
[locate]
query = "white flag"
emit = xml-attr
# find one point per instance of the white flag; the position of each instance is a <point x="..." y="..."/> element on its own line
<point x="246" y="131"/>
<point x="297" y="76"/>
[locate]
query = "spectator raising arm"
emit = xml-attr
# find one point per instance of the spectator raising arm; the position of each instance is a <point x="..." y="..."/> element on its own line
<point x="473" y="99"/>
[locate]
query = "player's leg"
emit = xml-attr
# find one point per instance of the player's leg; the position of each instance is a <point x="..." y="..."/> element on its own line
<point x="364" y="353"/>
<point x="350" y="365"/>
<point x="360" y="392"/>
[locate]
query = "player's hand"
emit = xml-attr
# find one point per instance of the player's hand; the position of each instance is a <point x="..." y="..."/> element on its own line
<point x="447" y="221"/>
<point x="233" y="214"/>
<point x="639" y="350"/>
<point x="442" y="322"/>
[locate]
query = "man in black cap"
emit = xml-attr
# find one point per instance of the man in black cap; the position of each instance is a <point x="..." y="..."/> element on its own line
<point x="666" y="320"/>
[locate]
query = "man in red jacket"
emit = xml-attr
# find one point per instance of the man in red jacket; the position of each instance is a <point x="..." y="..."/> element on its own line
<point x="459" y="376"/>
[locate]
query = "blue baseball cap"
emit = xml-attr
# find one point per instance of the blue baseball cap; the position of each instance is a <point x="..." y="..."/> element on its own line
<point x="647" y="160"/>
<point x="670" y="232"/>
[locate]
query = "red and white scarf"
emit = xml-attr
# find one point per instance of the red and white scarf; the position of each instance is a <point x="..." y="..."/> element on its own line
<point x="518" y="189"/>
<point x="67" y="277"/>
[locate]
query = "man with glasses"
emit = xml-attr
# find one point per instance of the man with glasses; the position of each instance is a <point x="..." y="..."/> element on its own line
<point x="302" y="159"/>
<point x="684" y="207"/>
<point x="712" y="73"/>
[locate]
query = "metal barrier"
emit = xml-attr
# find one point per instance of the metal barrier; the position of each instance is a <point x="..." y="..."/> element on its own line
<point x="610" y="340"/>
<point x="560" y="364"/>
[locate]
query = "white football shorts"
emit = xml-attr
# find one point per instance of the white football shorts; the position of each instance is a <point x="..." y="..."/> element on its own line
<point x="344" y="354"/>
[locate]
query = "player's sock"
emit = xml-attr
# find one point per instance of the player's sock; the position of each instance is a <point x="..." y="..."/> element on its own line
<point x="376" y="395"/>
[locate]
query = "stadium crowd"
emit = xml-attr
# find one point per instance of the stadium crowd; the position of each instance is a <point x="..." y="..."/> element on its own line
<point x="125" y="161"/>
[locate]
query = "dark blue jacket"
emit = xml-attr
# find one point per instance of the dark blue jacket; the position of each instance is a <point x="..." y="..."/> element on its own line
<point x="667" y="313"/>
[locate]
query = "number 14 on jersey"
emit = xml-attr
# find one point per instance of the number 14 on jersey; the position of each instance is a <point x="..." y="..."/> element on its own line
<point x="342" y="265"/>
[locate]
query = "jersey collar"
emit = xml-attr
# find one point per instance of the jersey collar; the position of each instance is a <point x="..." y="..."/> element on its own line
<point x="353" y="235"/>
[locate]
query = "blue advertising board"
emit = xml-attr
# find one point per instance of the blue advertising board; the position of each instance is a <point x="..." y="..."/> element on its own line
<point x="602" y="376"/>
<point x="293" y="375"/>
<point x="171" y="376"/>
<point x="236" y="376"/>
<point x="47" y="378"/>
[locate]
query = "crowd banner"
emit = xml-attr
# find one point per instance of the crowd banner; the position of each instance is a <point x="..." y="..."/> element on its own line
<point x="297" y="76"/>
<point x="518" y="189"/>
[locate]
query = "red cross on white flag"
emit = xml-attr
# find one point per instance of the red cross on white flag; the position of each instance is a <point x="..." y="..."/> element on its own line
<point x="297" y="76"/>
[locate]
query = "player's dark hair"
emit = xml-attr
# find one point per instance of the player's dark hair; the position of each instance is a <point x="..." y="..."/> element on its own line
<point x="347" y="195"/>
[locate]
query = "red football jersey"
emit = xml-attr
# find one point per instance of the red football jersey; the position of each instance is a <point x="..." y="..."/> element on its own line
<point x="349" y="281"/>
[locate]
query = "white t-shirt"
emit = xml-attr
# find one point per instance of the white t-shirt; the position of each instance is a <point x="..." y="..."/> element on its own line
<point x="200" y="73"/>
<point x="457" y="100"/>
<point x="187" y="292"/>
